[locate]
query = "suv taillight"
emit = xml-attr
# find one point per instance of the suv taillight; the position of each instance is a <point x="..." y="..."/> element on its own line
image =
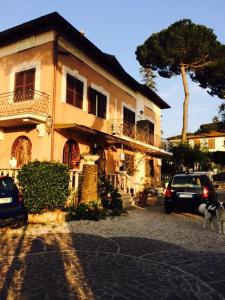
<point x="168" y="193"/>
<point x="205" y="192"/>
<point x="20" y="197"/>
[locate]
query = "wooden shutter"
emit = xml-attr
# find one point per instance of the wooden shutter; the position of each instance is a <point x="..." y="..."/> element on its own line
<point x="128" y="122"/>
<point x="211" y="143"/>
<point x="79" y="93"/>
<point x="24" y="85"/>
<point x="70" y="82"/>
<point x="74" y="91"/>
<point x="91" y="101"/>
<point x="102" y="101"/>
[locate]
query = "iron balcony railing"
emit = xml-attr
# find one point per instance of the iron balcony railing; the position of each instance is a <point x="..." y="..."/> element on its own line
<point x="24" y="101"/>
<point x="119" y="127"/>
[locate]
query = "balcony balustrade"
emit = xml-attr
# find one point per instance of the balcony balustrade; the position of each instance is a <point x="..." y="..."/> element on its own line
<point x="119" y="127"/>
<point x="24" y="101"/>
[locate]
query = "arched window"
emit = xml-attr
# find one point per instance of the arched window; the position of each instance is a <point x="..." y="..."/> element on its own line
<point x="21" y="150"/>
<point x="71" y="154"/>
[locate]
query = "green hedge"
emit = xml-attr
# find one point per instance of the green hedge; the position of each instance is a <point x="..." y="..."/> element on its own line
<point x="44" y="185"/>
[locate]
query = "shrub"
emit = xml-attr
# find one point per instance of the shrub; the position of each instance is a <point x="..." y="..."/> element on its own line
<point x="110" y="197"/>
<point x="92" y="210"/>
<point x="44" y="185"/>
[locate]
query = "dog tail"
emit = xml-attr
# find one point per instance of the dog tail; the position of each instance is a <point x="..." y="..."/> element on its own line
<point x="202" y="208"/>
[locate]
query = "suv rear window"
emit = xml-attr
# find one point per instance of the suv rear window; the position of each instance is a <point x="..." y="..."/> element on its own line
<point x="7" y="184"/>
<point x="186" y="181"/>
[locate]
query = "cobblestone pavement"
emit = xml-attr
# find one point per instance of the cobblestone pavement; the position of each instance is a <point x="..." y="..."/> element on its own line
<point x="90" y="266"/>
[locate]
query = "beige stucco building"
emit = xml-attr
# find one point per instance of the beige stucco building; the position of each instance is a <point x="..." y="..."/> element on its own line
<point x="210" y="141"/>
<point x="61" y="96"/>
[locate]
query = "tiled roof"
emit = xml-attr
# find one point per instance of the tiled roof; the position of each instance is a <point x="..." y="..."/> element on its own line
<point x="55" y="21"/>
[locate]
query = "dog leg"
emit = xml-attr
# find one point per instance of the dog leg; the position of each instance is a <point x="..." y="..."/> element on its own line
<point x="211" y="224"/>
<point x="218" y="222"/>
<point x="204" y="223"/>
<point x="220" y="227"/>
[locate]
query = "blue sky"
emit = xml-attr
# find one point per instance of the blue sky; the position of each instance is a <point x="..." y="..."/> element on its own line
<point x="119" y="26"/>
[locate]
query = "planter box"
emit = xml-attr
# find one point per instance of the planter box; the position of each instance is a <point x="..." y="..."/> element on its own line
<point x="56" y="216"/>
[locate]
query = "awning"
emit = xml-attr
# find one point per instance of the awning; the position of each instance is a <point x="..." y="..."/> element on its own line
<point x="115" y="139"/>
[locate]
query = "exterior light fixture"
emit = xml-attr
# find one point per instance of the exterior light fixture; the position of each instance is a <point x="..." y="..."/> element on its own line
<point x="48" y="124"/>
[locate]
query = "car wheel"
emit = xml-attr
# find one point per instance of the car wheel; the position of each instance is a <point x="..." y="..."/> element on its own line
<point x="168" y="208"/>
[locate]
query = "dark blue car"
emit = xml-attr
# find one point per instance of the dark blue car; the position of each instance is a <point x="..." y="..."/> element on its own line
<point x="12" y="210"/>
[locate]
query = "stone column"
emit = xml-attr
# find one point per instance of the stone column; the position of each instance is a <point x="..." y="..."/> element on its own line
<point x="89" y="183"/>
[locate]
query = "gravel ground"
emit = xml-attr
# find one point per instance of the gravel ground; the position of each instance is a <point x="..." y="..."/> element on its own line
<point x="184" y="230"/>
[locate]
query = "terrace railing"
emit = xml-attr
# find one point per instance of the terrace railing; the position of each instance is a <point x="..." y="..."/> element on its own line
<point x="119" y="127"/>
<point x="27" y="101"/>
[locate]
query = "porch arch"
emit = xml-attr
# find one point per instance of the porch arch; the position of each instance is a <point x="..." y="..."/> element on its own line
<point x="21" y="150"/>
<point x="71" y="154"/>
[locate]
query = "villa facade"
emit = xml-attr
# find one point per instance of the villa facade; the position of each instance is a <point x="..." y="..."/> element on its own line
<point x="61" y="96"/>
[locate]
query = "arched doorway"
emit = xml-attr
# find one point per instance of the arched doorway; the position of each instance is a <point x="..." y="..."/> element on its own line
<point x="71" y="154"/>
<point x="21" y="150"/>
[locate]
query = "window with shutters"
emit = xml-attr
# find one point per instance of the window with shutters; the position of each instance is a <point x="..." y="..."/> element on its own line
<point x="145" y="131"/>
<point x="24" y="85"/>
<point x="211" y="143"/>
<point x="128" y="122"/>
<point x="74" y="91"/>
<point x="197" y="143"/>
<point x="97" y="103"/>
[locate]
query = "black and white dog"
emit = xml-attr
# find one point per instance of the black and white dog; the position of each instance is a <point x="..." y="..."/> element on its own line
<point x="215" y="210"/>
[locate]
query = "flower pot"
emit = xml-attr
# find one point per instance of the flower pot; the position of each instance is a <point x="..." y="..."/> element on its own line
<point x="90" y="159"/>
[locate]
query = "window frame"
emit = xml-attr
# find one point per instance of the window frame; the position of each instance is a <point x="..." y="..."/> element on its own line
<point x="24" y="67"/>
<point x="132" y="109"/>
<point x="74" y="91"/>
<point x="99" y="91"/>
<point x="22" y="91"/>
<point x="74" y="73"/>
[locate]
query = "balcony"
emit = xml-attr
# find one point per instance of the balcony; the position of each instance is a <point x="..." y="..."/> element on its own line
<point x="136" y="132"/>
<point x="24" y="103"/>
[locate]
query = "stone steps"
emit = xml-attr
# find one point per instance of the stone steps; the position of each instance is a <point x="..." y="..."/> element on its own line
<point x="128" y="201"/>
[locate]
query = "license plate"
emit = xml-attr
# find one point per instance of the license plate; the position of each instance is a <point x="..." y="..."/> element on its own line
<point x="5" y="200"/>
<point x="185" y="195"/>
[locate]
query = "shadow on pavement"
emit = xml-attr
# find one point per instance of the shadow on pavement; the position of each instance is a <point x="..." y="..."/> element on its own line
<point x="85" y="266"/>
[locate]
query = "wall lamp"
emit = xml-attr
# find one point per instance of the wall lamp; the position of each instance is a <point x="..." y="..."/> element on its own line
<point x="48" y="124"/>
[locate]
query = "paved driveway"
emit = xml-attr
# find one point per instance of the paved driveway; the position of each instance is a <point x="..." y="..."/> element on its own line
<point x="111" y="260"/>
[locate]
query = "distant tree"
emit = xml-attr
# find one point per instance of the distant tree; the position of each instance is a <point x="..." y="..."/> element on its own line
<point x="148" y="77"/>
<point x="222" y="113"/>
<point x="215" y="119"/>
<point x="182" y="48"/>
<point x="187" y="157"/>
<point x="214" y="126"/>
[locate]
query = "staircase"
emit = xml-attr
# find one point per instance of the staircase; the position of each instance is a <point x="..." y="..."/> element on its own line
<point x="128" y="201"/>
<point x="126" y="187"/>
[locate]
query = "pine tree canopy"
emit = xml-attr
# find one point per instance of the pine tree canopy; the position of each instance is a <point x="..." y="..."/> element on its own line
<point x="213" y="77"/>
<point x="183" y="42"/>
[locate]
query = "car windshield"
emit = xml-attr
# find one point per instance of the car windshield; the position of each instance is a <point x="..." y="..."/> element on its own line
<point x="7" y="184"/>
<point x="186" y="181"/>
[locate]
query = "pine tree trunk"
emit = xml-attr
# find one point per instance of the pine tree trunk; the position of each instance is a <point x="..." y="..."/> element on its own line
<point x="185" y="104"/>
